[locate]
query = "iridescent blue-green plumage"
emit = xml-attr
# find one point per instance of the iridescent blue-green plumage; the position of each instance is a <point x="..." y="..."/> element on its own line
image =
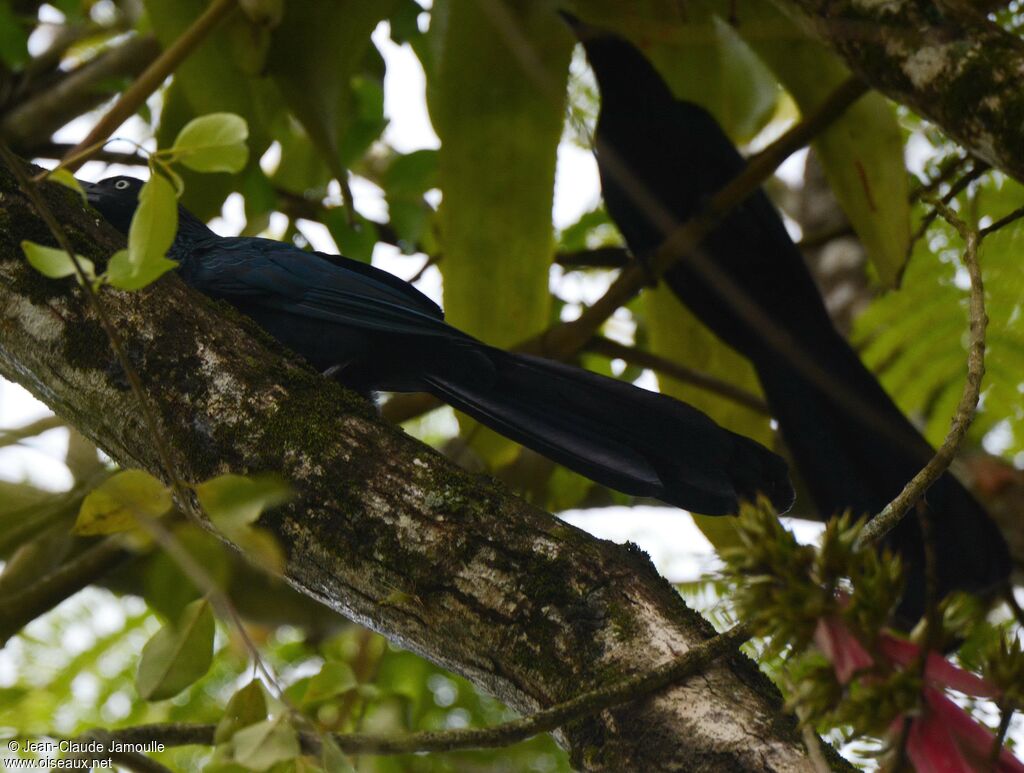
<point x="373" y="331"/>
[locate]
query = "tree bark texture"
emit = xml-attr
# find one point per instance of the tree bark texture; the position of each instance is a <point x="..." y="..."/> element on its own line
<point x="384" y="529"/>
<point x="942" y="58"/>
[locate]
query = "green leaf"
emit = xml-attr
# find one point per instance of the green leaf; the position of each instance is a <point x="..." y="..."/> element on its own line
<point x="315" y="53"/>
<point x="335" y="678"/>
<point x="266" y="743"/>
<point x="13" y="37"/>
<point x="861" y="152"/>
<point x="246" y="707"/>
<point x="117" y="503"/>
<point x="178" y="654"/>
<point x="211" y="80"/>
<point x="499" y="131"/>
<point x="333" y="759"/>
<point x="234" y="502"/>
<point x="213" y="143"/>
<point x="54" y="263"/>
<point x="356" y="243"/>
<point x="149" y="237"/>
<point x="916" y="336"/>
<point x="167" y="589"/>
<point x="63" y="177"/>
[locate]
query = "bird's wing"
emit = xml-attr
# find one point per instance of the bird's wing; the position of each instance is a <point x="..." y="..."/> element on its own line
<point x="276" y="275"/>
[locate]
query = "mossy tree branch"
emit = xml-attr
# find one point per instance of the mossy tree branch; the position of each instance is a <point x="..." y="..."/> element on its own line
<point x="942" y="58"/>
<point x="383" y="529"/>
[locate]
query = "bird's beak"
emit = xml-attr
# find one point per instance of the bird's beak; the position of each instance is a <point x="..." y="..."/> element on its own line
<point x="580" y="28"/>
<point x="91" y="194"/>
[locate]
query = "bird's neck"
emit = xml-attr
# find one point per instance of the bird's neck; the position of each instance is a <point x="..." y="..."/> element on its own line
<point x="626" y="78"/>
<point x="190" y="230"/>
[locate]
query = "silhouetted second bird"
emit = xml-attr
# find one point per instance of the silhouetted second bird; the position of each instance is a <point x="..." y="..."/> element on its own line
<point x="660" y="160"/>
<point x="373" y="331"/>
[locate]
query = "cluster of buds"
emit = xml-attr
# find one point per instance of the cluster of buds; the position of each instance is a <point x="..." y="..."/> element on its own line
<point x="825" y="609"/>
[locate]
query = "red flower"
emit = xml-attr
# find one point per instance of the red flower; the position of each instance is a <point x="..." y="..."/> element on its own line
<point x="943" y="737"/>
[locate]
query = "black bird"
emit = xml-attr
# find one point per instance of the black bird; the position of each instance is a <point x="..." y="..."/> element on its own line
<point x="660" y="160"/>
<point x="373" y="331"/>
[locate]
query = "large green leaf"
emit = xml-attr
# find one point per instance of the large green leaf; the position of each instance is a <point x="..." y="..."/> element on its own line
<point x="496" y="98"/>
<point x="149" y="237"/>
<point x="861" y="152"/>
<point x="55" y="263"/>
<point x="314" y="55"/>
<point x="178" y="654"/>
<point x="497" y="103"/>
<point x="214" y="142"/>
<point x="120" y="501"/>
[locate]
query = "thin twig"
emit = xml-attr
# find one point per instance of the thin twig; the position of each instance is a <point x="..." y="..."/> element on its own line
<point x="977" y="171"/>
<point x="431" y="260"/>
<point x="947" y="169"/>
<point x="634" y="356"/>
<point x="1015" y="608"/>
<point x="19" y="609"/>
<point x="139" y="763"/>
<point x="692" y="662"/>
<point x="148" y="82"/>
<point x="1002" y="222"/>
<point x="885" y="521"/>
<point x="76" y="92"/>
<point x="812" y="742"/>
<point x="1005" y="716"/>
<point x="58" y="150"/>
<point x="148" y="413"/>
<point x="15" y="435"/>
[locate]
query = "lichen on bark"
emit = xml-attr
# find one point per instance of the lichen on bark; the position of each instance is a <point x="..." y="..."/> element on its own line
<point x="944" y="59"/>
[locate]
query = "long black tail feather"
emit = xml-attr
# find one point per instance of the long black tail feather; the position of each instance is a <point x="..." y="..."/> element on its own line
<point x="628" y="438"/>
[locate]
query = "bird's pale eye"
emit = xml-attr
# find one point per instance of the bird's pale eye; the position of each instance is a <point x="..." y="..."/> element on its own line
<point x="121" y="184"/>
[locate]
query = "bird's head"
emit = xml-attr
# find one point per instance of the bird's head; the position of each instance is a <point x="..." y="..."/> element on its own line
<point x="116" y="198"/>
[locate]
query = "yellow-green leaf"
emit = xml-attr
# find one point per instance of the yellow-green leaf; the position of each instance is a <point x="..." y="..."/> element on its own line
<point x="260" y="546"/>
<point x="335" y="678"/>
<point x="246" y="707"/>
<point x="333" y="759"/>
<point x="117" y="503"/>
<point x="266" y="743"/>
<point x="178" y="654"/>
<point x="213" y="143"/>
<point x="234" y="502"/>
<point x="149" y="237"/>
<point x="54" y="263"/>
<point x="861" y="152"/>
<point x="64" y="177"/>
